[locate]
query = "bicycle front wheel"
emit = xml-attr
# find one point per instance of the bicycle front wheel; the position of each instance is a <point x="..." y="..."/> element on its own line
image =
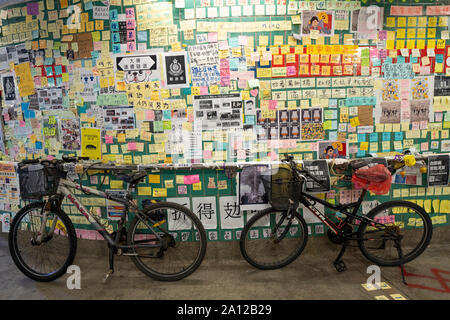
<point x="401" y="231"/>
<point x="182" y="246"/>
<point x="271" y="239"/>
<point x="42" y="243"/>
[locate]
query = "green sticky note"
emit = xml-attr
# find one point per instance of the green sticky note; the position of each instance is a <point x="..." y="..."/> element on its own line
<point x="96" y="36"/>
<point x="327" y="125"/>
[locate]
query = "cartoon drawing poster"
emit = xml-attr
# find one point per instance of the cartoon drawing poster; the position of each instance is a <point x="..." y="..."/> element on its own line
<point x="322" y="21"/>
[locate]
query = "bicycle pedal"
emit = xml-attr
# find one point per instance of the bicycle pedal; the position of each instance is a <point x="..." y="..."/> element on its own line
<point x="340" y="266"/>
<point x="106" y="277"/>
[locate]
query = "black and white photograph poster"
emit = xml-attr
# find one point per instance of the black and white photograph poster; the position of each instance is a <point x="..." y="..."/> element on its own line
<point x="438" y="170"/>
<point x="175" y="69"/>
<point x="251" y="192"/>
<point x="9" y="88"/>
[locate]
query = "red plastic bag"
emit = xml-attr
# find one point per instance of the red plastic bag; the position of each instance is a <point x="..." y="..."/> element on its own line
<point x="377" y="179"/>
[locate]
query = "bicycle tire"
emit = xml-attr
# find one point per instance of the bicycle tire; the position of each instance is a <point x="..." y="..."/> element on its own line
<point x="15" y="252"/>
<point x="202" y="238"/>
<point x="279" y="264"/>
<point x="418" y="250"/>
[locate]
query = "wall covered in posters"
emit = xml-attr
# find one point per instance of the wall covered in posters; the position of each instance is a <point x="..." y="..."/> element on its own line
<point x="131" y="81"/>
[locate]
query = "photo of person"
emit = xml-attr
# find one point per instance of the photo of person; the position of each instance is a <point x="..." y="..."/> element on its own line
<point x="332" y="150"/>
<point x="322" y="21"/>
<point x="252" y="194"/>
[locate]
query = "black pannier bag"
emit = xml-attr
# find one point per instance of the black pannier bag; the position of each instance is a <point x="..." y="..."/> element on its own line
<point x="37" y="181"/>
<point x="280" y="186"/>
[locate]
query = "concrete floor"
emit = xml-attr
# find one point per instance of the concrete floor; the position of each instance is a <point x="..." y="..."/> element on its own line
<point x="225" y="275"/>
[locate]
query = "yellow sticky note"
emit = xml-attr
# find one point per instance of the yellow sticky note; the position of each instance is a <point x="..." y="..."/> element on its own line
<point x="364" y="146"/>
<point x="354" y="122"/>
<point x="197" y="186"/>
<point x="154" y="178"/>
<point x="116" y="184"/>
<point x="145" y="191"/>
<point x="159" y="192"/>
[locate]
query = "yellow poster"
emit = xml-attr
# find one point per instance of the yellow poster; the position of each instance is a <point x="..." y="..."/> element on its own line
<point x="91" y="143"/>
<point x="25" y="79"/>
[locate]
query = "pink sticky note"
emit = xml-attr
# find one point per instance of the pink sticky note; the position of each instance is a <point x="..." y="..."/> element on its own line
<point x="132" y="146"/>
<point x="149" y="115"/>
<point x="212" y="37"/>
<point x="207" y="154"/>
<point x="291" y="71"/>
<point x="272" y="155"/>
<point x="273" y="104"/>
<point x="241" y="154"/>
<point x="203" y="90"/>
<point x="108" y="139"/>
<point x="50" y="158"/>
<point x="22" y="123"/>
<point x="191" y="179"/>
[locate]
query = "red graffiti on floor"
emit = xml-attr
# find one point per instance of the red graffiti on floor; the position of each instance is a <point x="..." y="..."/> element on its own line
<point x="437" y="276"/>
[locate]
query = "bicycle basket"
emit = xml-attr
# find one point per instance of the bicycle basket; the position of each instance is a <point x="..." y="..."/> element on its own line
<point x="280" y="187"/>
<point x="37" y="181"/>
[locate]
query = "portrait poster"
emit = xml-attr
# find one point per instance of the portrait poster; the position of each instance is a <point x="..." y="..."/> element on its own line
<point x="321" y="22"/>
<point x="9" y="88"/>
<point x="251" y="192"/>
<point x="175" y="69"/>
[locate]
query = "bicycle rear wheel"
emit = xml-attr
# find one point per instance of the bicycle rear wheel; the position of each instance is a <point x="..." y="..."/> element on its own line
<point x="183" y="243"/>
<point x="46" y="260"/>
<point x="404" y="233"/>
<point x="271" y="240"/>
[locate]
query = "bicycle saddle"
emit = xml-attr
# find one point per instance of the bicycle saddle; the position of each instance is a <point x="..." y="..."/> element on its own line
<point x="133" y="178"/>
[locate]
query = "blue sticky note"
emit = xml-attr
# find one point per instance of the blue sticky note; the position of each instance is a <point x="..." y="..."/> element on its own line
<point x="234" y="64"/>
<point x="233" y="42"/>
<point x="113" y="15"/>
<point x="332" y="103"/>
<point x="167" y="114"/>
<point x="386" y="136"/>
<point x="116" y="48"/>
<point x="58" y="70"/>
<point x="142" y="36"/>
<point x="35" y="34"/>
<point x="398" y="135"/>
<point x="439" y="58"/>
<point x="361" y="137"/>
<point x="38" y="145"/>
<point x="399" y="179"/>
<point x="114" y="26"/>
<point x="88" y="5"/>
<point x="48" y="61"/>
<point x="361" y="154"/>
<point x="51" y="82"/>
<point x="25" y="106"/>
<point x="250" y="120"/>
<point x="400" y="59"/>
<point x="376" y="62"/>
<point x="413" y="60"/>
<point x="334" y="125"/>
<point x="332" y="135"/>
<point x="373" y="137"/>
<point x="59" y="81"/>
<point x="95" y="55"/>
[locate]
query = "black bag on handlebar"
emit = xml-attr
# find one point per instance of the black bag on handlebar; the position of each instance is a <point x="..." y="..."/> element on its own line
<point x="280" y="186"/>
<point x="37" y="180"/>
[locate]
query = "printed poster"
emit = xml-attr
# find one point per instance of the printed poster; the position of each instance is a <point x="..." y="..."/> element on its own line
<point x="91" y="143"/>
<point x="70" y="134"/>
<point x="175" y="69"/>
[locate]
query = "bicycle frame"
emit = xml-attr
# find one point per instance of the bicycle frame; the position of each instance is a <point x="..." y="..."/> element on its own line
<point x="64" y="191"/>
<point x="306" y="199"/>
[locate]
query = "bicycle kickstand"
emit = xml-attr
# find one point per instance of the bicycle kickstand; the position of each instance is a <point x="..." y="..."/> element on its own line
<point x="338" y="262"/>
<point x="402" y="268"/>
<point x="111" y="264"/>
